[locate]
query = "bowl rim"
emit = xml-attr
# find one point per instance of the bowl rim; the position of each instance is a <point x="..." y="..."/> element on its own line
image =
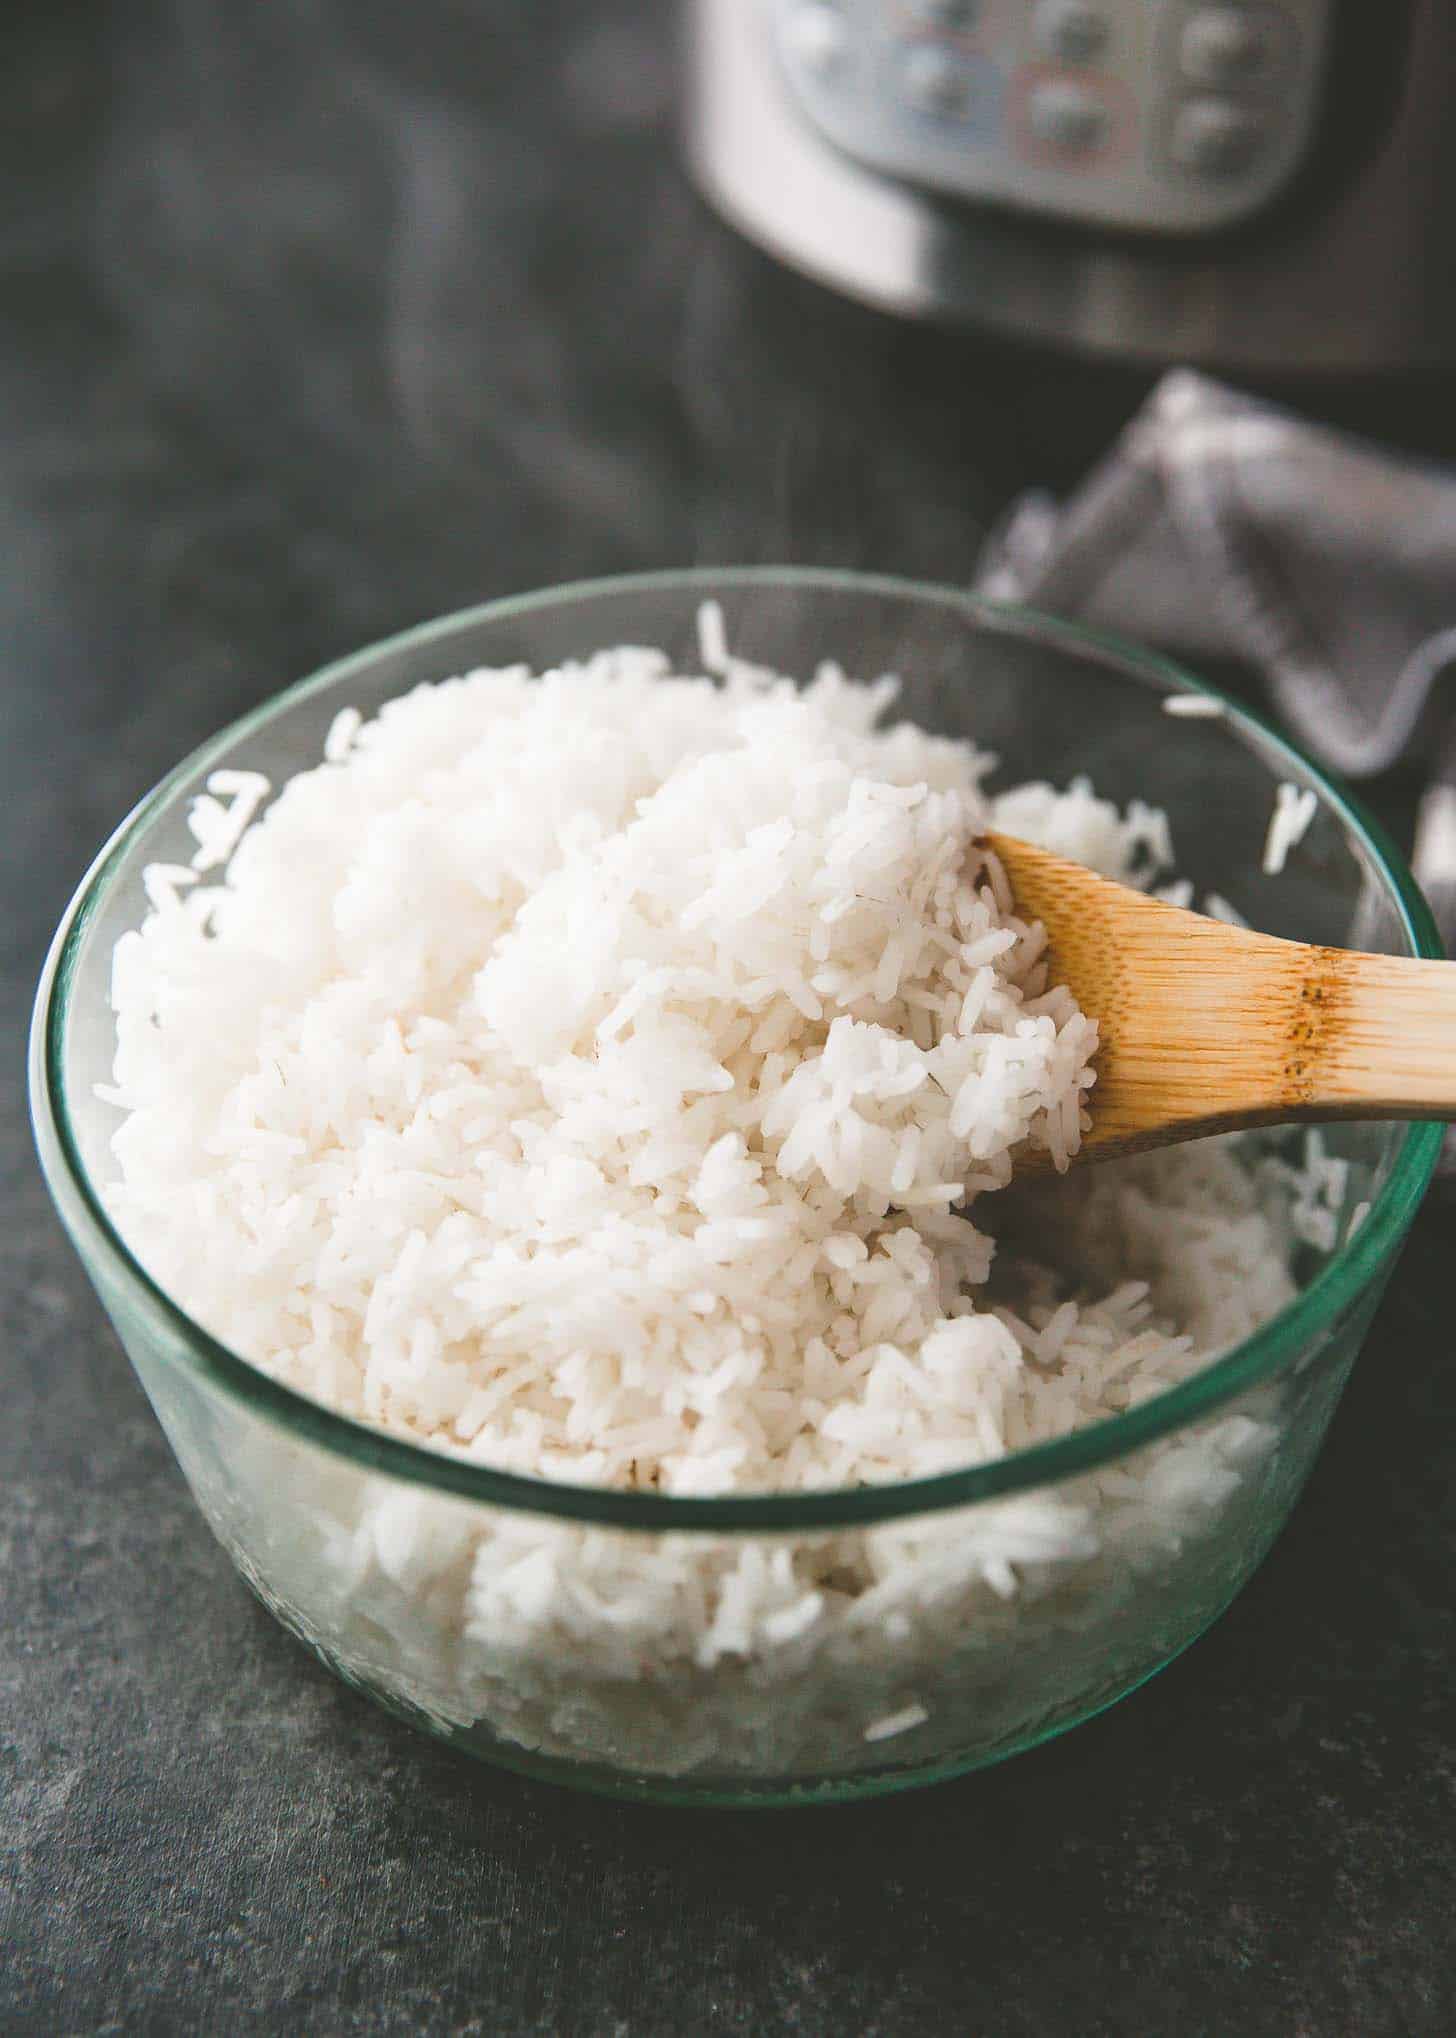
<point x="1356" y="1263"/>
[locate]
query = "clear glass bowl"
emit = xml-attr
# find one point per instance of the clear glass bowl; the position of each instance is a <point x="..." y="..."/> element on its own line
<point x="408" y="1572"/>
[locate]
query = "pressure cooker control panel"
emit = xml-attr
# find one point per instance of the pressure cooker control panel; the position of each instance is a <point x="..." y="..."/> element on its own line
<point x="1178" y="115"/>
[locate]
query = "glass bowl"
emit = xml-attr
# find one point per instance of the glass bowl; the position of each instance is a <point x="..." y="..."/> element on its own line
<point x="411" y="1574"/>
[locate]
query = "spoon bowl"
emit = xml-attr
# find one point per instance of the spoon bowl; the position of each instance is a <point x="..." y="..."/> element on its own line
<point x="1207" y="1027"/>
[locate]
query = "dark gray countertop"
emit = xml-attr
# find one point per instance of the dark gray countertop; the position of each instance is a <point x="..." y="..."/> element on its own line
<point x="316" y="319"/>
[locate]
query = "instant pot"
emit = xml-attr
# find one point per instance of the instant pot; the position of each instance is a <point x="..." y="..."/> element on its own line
<point x="1265" y="186"/>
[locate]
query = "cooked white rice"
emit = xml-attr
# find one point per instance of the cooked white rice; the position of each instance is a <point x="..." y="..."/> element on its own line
<point x="596" y="1075"/>
<point x="608" y="1097"/>
<point x="1294" y="809"/>
<point x="1193" y="706"/>
<point x="1217" y="907"/>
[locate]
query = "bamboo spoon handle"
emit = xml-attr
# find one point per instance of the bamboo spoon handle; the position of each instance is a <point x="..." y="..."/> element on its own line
<point x="1382" y="1035"/>
<point x="1208" y="1028"/>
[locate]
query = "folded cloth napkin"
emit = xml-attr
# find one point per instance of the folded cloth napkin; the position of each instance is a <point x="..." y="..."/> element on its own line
<point x="1222" y="525"/>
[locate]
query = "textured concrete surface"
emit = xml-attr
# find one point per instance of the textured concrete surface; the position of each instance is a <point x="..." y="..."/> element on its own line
<point x="317" y="319"/>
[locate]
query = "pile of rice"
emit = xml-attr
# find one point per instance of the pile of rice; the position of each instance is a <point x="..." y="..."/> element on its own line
<point x="598" y="1075"/>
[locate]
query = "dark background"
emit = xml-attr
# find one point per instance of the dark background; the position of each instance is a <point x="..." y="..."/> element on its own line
<point x="316" y="318"/>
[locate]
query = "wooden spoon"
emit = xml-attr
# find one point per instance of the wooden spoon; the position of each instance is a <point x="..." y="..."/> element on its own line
<point x="1211" y="1028"/>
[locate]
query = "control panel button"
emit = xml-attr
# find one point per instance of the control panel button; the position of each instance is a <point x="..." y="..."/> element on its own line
<point x="1215" y="137"/>
<point x="1072" y="31"/>
<point x="1232" y="46"/>
<point x="934" y="80"/>
<point x="815" y="35"/>
<point x="952" y="14"/>
<point x="1064" y="116"/>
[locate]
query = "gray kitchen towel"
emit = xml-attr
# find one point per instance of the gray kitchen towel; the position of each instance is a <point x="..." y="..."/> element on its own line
<point x="1222" y="525"/>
